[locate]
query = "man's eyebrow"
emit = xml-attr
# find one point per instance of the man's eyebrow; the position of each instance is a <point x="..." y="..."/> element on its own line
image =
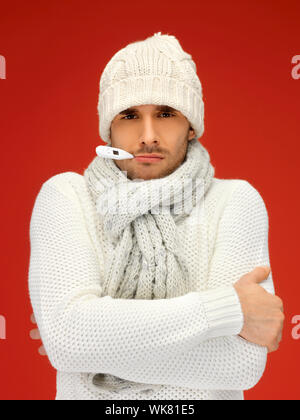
<point x="164" y="108"/>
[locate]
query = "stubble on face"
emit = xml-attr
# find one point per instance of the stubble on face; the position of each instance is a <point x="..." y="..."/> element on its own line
<point x="173" y="142"/>
<point x="147" y="170"/>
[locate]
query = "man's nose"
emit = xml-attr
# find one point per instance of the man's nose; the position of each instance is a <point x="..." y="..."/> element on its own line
<point x="149" y="132"/>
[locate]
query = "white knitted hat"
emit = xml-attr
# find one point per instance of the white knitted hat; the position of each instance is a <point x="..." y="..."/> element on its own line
<point x="153" y="71"/>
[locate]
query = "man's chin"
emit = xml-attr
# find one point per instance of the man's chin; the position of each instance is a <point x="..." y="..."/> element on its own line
<point x="147" y="175"/>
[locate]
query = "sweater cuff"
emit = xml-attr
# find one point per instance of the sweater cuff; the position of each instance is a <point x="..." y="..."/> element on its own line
<point x="223" y="310"/>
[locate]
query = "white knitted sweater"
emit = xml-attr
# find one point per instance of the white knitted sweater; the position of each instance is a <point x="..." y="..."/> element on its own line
<point x="190" y="343"/>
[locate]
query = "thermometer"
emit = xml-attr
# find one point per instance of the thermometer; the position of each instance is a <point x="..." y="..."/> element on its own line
<point x="113" y="153"/>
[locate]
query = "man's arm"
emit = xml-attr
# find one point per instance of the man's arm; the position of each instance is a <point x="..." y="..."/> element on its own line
<point x="83" y="331"/>
<point x="231" y="363"/>
<point x="226" y="362"/>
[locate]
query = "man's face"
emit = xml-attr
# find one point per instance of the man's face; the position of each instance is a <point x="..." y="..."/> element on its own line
<point x="147" y="129"/>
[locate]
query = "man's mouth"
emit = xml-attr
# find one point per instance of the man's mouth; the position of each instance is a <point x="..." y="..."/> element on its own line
<point x="148" y="159"/>
<point x="153" y="157"/>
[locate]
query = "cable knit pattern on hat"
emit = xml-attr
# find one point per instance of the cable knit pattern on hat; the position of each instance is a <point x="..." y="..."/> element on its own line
<point x="153" y="71"/>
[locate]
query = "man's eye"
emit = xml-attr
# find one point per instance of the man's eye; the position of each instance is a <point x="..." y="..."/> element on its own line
<point x="168" y="113"/>
<point x="130" y="115"/>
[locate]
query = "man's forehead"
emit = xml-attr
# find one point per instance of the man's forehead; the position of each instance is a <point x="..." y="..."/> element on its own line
<point x="165" y="108"/>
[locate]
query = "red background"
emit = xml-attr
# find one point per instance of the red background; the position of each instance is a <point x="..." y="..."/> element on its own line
<point x="55" y="53"/>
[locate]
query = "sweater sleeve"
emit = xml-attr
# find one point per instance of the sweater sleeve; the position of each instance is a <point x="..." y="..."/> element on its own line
<point x="229" y="362"/>
<point x="83" y="331"/>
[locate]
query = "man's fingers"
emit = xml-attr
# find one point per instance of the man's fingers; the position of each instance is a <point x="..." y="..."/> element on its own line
<point x="42" y="351"/>
<point x="35" y="334"/>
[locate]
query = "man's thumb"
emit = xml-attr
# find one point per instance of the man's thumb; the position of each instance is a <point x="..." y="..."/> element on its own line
<point x="260" y="273"/>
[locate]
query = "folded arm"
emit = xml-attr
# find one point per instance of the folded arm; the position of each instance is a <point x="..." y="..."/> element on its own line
<point x="228" y="362"/>
<point x="187" y="341"/>
<point x="83" y="331"/>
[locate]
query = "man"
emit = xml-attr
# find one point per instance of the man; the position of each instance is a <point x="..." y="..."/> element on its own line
<point x="162" y="301"/>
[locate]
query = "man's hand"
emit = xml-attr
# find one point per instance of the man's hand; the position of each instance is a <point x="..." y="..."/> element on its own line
<point x="263" y="312"/>
<point x="35" y="335"/>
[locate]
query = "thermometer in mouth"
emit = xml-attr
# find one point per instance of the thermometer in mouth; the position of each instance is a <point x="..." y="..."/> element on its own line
<point x="113" y="153"/>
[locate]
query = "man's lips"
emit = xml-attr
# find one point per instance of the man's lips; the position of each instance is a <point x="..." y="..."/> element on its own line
<point x="149" y="158"/>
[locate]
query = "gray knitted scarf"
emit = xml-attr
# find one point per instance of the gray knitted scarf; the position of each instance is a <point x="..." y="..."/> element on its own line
<point x="140" y="218"/>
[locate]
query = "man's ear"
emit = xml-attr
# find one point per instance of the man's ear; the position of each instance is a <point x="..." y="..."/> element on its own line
<point x="192" y="133"/>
